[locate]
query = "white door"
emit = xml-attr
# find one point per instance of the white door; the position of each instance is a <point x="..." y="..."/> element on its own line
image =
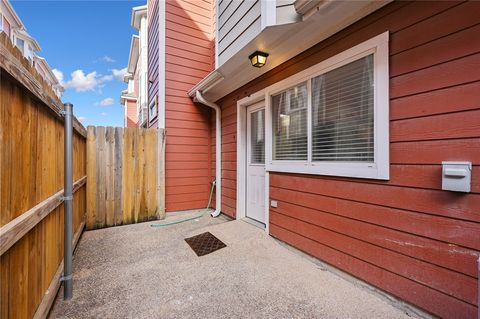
<point x="256" y="162"/>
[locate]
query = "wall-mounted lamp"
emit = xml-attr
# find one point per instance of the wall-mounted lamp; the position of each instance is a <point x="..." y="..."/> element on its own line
<point x="258" y="58"/>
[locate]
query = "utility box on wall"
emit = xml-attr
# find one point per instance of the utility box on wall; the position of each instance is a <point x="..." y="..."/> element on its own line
<point x="456" y="176"/>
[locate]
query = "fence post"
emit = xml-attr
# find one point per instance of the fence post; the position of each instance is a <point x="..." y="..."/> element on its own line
<point x="68" y="205"/>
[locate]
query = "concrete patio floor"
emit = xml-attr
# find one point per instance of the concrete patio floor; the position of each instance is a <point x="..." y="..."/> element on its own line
<point x="138" y="271"/>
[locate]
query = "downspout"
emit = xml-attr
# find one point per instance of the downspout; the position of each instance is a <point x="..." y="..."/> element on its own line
<point x="218" y="150"/>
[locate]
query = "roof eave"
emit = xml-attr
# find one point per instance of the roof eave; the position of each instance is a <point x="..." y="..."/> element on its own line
<point x="133" y="55"/>
<point x="14" y="14"/>
<point x="137" y="12"/>
<point x="23" y="34"/>
<point x="208" y="82"/>
<point x="329" y="18"/>
<point x="48" y="68"/>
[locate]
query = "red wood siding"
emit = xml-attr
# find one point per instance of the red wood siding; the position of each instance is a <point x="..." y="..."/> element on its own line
<point x="132" y="120"/>
<point x="188" y="58"/>
<point x="405" y="236"/>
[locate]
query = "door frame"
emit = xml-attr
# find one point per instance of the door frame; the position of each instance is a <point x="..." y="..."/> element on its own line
<point x="242" y="160"/>
<point x="250" y="109"/>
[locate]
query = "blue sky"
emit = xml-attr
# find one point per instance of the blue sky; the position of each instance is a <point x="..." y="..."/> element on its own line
<point x="88" y="42"/>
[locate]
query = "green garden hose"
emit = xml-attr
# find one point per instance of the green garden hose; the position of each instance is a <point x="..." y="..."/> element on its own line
<point x="191" y="218"/>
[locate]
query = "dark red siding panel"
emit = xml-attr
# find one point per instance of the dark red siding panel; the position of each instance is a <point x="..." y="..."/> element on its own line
<point x="405" y="236"/>
<point x="451" y="99"/>
<point x="420" y="295"/>
<point x="433" y="202"/>
<point x="456" y="258"/>
<point x="188" y="38"/>
<point x="452" y="73"/>
<point x="456" y="18"/>
<point x="447" y="281"/>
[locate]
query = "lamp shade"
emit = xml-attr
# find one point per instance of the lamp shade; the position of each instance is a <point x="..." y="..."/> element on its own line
<point x="258" y="58"/>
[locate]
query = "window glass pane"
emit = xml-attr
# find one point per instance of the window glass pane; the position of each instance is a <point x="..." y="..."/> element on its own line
<point x="257" y="137"/>
<point x="289" y="117"/>
<point x="20" y="44"/>
<point x="342" y="113"/>
<point x="153" y="109"/>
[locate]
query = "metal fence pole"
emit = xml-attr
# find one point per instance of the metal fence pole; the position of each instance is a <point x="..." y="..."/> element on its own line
<point x="68" y="205"/>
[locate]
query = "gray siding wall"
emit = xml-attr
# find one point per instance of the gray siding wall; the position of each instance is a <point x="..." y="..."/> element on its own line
<point x="239" y="22"/>
<point x="286" y="12"/>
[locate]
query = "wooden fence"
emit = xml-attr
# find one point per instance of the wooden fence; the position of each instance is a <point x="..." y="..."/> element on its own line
<point x="125" y="176"/>
<point x="31" y="188"/>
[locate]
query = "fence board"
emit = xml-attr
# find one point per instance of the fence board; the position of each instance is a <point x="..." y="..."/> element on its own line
<point x="31" y="164"/>
<point x="100" y="172"/>
<point x="44" y="308"/>
<point x="18" y="227"/>
<point x="91" y="177"/>
<point x="161" y="175"/>
<point x="109" y="175"/>
<point x="118" y="176"/>
<point x="126" y="168"/>
<point x="151" y="174"/>
<point x="127" y="176"/>
<point x="138" y="169"/>
<point x="13" y="63"/>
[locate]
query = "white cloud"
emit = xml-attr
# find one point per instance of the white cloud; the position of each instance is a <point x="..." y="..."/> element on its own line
<point x="107" y="59"/>
<point x="106" y="78"/>
<point x="118" y="74"/>
<point x="82" y="82"/>
<point x="105" y="102"/>
<point x="103" y="114"/>
<point x="81" y="118"/>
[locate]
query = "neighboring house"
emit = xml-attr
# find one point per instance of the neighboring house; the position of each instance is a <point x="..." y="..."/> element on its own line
<point x="129" y="101"/>
<point x="15" y="29"/>
<point x="336" y="144"/>
<point x="135" y="97"/>
<point x="11" y="24"/>
<point x="9" y="20"/>
<point x="26" y="44"/>
<point x="46" y="72"/>
<point x="129" y="97"/>
<point x="180" y="53"/>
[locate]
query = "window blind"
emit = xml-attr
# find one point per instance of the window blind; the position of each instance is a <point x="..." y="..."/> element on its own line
<point x="257" y="137"/>
<point x="289" y="114"/>
<point x="342" y="113"/>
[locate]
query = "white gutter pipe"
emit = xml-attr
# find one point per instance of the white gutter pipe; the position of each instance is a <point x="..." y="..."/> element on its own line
<point x="218" y="150"/>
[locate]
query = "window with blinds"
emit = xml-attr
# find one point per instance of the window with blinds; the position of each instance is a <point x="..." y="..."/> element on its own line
<point x="257" y="137"/>
<point x="342" y="113"/>
<point x="289" y="125"/>
<point x="333" y="117"/>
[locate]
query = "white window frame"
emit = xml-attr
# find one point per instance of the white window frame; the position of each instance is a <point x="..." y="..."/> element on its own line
<point x="1" y="22"/>
<point x="379" y="168"/>
<point x="154" y="103"/>
<point x="21" y="48"/>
